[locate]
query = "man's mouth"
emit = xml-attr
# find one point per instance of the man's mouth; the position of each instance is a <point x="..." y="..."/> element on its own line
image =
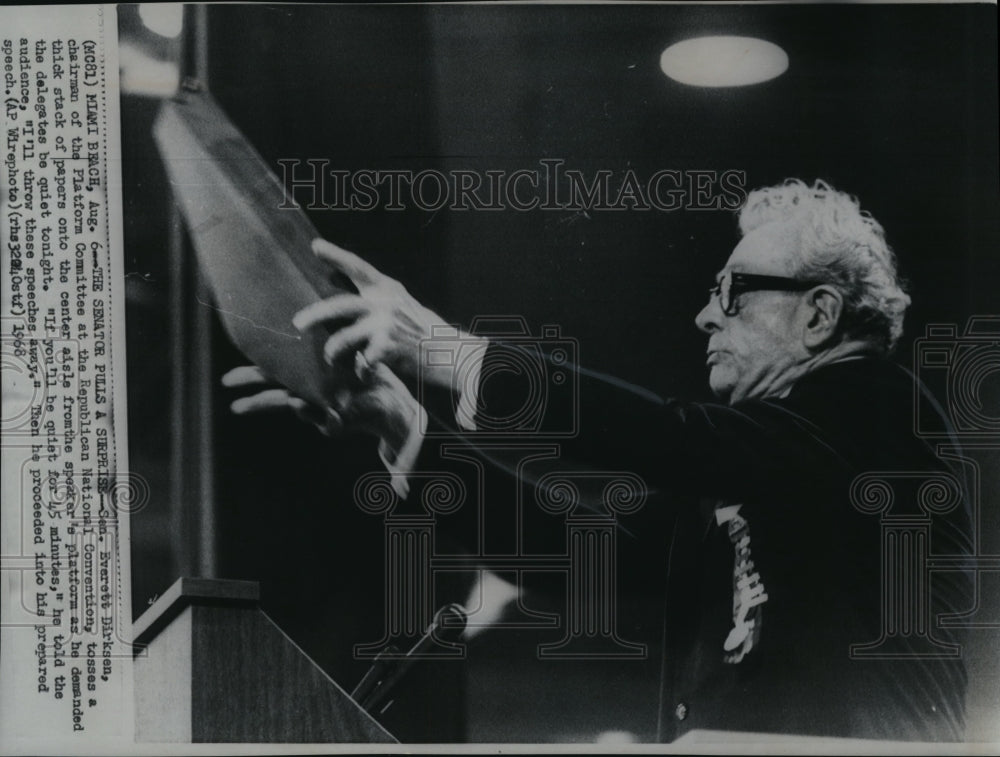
<point x="713" y="357"/>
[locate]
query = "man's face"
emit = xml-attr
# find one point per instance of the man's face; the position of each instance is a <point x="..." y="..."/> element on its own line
<point x="751" y="352"/>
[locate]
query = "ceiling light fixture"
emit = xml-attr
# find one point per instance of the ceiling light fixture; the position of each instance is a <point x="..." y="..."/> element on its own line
<point x="723" y="61"/>
<point x="165" y="19"/>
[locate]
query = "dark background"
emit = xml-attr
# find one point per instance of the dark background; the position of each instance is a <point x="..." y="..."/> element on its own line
<point x="895" y="104"/>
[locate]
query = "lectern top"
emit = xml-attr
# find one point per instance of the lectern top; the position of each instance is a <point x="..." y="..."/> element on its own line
<point x="188" y="591"/>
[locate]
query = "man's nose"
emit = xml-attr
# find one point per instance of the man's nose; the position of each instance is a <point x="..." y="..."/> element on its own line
<point x="710" y="318"/>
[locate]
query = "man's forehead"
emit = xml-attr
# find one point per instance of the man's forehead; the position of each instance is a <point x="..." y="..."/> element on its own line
<point x="771" y="248"/>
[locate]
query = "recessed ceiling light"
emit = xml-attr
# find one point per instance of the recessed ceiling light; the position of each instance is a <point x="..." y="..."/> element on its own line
<point x="723" y="61"/>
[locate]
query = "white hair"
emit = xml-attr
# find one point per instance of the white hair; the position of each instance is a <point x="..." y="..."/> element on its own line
<point x="841" y="244"/>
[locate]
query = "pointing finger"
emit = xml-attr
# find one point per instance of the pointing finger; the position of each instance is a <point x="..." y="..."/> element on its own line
<point x="271" y="399"/>
<point x="355" y="268"/>
<point x="339" y="307"/>
<point x="244" y="375"/>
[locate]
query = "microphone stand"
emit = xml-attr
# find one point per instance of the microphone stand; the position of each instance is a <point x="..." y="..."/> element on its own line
<point x="388" y="666"/>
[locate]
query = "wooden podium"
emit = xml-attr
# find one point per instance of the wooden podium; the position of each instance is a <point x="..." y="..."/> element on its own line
<point x="211" y="666"/>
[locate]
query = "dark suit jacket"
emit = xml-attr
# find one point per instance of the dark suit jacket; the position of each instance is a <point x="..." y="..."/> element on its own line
<point x="837" y="576"/>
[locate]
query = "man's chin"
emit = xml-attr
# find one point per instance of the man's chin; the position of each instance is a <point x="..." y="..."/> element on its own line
<point x="720" y="384"/>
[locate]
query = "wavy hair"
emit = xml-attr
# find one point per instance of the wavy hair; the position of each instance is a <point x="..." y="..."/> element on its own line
<point x="840" y="244"/>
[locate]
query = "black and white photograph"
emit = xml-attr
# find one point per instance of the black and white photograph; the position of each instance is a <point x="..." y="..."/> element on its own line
<point x="611" y="374"/>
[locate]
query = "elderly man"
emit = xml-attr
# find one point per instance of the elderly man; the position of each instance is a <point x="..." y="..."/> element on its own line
<point x="777" y="617"/>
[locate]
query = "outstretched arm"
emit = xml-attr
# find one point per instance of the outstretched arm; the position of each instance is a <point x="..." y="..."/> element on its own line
<point x="713" y="448"/>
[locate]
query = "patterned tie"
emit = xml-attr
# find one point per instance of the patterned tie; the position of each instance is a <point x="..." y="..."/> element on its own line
<point x="748" y="593"/>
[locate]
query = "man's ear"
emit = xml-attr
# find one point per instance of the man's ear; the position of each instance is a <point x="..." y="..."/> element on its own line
<point x="826" y="304"/>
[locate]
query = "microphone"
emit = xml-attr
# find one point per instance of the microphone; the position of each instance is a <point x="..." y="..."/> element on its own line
<point x="388" y="666"/>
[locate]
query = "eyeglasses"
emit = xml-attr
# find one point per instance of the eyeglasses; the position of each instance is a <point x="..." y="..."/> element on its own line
<point x="731" y="285"/>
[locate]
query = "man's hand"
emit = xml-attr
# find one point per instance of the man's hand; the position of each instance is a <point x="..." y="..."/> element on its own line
<point x="384" y="322"/>
<point x="381" y="406"/>
<point x="271" y="398"/>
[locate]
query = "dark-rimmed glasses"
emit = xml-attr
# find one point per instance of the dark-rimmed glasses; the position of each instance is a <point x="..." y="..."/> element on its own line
<point x="731" y="285"/>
